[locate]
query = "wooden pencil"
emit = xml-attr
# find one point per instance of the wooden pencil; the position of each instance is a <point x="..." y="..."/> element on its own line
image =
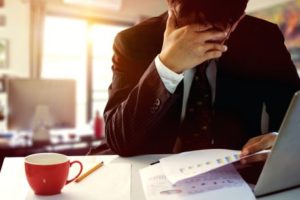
<point x="80" y="178"/>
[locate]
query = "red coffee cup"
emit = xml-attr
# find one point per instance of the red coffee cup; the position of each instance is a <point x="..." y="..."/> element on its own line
<point x="47" y="173"/>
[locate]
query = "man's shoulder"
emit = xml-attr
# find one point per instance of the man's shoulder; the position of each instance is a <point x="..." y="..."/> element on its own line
<point x="144" y="40"/>
<point x="253" y="31"/>
<point x="258" y="23"/>
<point x="147" y="29"/>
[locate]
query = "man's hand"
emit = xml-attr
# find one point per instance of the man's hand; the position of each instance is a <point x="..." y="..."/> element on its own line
<point x="257" y="144"/>
<point x="191" y="45"/>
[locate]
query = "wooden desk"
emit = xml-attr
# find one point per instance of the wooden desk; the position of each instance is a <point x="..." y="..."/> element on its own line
<point x="11" y="165"/>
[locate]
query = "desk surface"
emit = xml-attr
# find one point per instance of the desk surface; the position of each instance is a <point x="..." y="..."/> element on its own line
<point x="10" y="166"/>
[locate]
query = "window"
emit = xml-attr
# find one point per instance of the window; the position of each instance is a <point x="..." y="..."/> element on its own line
<point x="102" y="40"/>
<point x="66" y="55"/>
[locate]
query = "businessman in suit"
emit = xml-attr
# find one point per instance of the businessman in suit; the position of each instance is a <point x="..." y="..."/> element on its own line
<point x="197" y="77"/>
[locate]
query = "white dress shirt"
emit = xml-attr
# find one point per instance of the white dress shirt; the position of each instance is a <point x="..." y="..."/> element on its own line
<point x="171" y="80"/>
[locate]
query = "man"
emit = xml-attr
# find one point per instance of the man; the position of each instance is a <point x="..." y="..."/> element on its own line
<point x="198" y="78"/>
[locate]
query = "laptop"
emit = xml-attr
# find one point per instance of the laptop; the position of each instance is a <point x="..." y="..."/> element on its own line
<point x="281" y="170"/>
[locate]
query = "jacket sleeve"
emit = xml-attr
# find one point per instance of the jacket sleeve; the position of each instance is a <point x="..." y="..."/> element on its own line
<point x="284" y="81"/>
<point x="137" y="101"/>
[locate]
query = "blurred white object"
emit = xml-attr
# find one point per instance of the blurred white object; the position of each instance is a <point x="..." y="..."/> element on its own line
<point x="41" y="124"/>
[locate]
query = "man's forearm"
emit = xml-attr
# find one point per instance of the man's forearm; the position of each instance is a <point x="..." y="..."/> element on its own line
<point x="129" y="121"/>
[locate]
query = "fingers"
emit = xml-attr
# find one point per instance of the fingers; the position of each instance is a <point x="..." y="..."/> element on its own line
<point x="207" y="36"/>
<point x="258" y="144"/>
<point x="253" y="140"/>
<point x="171" y="22"/>
<point x="248" y="144"/>
<point x="214" y="46"/>
<point x="207" y="32"/>
<point x="199" y="33"/>
<point x="211" y="51"/>
<point x="212" y="55"/>
<point x="199" y="27"/>
<point x="210" y="36"/>
<point x="255" y="147"/>
<point x="171" y="25"/>
<point x="255" y="158"/>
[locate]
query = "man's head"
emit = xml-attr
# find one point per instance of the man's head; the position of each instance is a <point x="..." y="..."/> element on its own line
<point x="219" y="13"/>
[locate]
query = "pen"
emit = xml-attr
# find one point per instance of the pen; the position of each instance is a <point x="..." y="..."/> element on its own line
<point x="89" y="172"/>
<point x="154" y="163"/>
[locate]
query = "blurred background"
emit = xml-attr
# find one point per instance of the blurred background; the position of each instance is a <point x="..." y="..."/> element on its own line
<point x="55" y="65"/>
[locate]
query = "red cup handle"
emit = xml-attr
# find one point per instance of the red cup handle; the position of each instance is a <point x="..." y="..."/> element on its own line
<point x="80" y="164"/>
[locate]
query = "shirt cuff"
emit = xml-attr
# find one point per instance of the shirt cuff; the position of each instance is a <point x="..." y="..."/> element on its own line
<point x="170" y="79"/>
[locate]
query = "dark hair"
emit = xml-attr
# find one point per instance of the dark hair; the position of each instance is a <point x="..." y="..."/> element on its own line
<point x="222" y="12"/>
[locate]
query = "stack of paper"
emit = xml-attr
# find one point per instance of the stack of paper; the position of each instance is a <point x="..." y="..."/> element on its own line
<point x="205" y="174"/>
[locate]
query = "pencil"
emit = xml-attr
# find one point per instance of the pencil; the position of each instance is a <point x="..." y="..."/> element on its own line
<point x="80" y="178"/>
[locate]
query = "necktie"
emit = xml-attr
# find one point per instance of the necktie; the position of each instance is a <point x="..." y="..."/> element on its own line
<point x="196" y="129"/>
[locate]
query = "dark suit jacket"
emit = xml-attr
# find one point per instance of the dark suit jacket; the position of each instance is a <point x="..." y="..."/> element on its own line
<point x="142" y="117"/>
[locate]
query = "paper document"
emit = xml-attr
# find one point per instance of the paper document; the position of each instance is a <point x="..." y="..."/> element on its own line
<point x="223" y="183"/>
<point x="110" y="182"/>
<point x="188" y="164"/>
